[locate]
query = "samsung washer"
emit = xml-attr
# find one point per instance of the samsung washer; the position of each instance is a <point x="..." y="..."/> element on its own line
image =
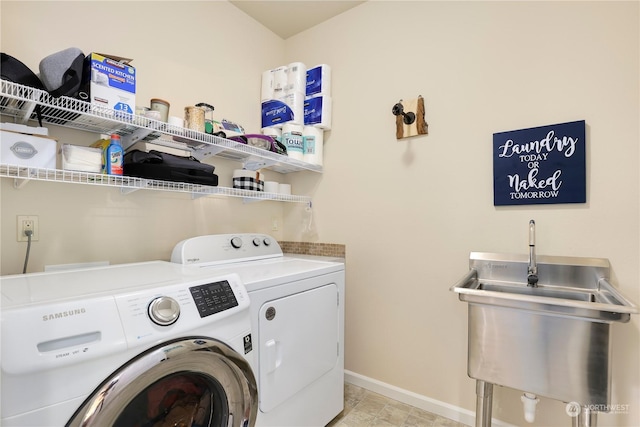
<point x="149" y="344"/>
<point x="297" y="320"/>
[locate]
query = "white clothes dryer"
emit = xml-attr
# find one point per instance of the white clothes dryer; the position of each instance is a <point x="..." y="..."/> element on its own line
<point x="297" y="320"/>
<point x="144" y="344"/>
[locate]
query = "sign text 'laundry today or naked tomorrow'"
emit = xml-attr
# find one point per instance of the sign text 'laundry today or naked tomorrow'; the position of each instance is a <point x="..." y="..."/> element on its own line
<point x="540" y="165"/>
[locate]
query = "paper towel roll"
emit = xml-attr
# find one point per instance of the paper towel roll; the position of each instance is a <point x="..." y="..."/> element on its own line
<point x="279" y="94"/>
<point x="271" y="187"/>
<point x="266" y="90"/>
<point x="317" y="112"/>
<point x="296" y="77"/>
<point x="319" y="80"/>
<point x="295" y="101"/>
<point x="313" y="144"/>
<point x="292" y="139"/>
<point x="279" y="77"/>
<point x="275" y="113"/>
<point x="274" y="132"/>
<point x="284" y="189"/>
<point x="288" y="109"/>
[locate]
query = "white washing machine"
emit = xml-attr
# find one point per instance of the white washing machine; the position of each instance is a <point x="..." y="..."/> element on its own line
<point x="145" y="344"/>
<point x="297" y="320"/>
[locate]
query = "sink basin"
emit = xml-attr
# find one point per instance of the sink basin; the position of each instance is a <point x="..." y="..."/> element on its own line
<point x="553" y="340"/>
<point x="567" y="285"/>
<point x="541" y="291"/>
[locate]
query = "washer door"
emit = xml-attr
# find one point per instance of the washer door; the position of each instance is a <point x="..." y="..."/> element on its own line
<point x="185" y="382"/>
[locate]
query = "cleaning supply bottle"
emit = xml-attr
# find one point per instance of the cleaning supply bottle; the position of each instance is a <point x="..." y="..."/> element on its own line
<point x="114" y="156"/>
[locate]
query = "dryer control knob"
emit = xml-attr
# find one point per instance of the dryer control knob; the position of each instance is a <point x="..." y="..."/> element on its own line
<point x="267" y="241"/>
<point x="164" y="311"/>
<point x="236" y="242"/>
<point x="256" y="242"/>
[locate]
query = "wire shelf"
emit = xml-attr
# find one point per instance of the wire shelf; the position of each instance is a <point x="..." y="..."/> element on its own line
<point x="19" y="101"/>
<point x="128" y="184"/>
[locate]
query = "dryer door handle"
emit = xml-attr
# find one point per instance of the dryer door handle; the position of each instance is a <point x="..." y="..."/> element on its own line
<point x="273" y="355"/>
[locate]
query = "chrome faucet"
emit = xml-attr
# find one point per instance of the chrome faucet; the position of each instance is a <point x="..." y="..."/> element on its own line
<point x="532" y="270"/>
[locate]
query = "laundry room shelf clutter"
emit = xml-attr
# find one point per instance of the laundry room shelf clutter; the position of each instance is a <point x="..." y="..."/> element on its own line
<point x="18" y="101"/>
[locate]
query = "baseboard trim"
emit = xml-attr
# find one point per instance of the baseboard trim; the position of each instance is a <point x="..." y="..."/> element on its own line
<point x="443" y="409"/>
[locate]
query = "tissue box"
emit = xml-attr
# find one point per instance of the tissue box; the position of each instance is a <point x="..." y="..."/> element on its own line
<point x="83" y="159"/>
<point x="27" y="150"/>
<point x="112" y="83"/>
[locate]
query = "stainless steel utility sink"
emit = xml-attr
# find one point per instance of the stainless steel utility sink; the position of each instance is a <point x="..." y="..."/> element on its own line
<point x="549" y="336"/>
<point x="566" y="285"/>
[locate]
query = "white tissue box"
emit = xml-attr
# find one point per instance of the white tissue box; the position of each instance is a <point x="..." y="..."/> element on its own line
<point x="27" y="150"/>
<point x="83" y="159"/>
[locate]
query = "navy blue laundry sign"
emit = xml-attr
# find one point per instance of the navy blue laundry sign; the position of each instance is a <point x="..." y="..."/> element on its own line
<point x="540" y="165"/>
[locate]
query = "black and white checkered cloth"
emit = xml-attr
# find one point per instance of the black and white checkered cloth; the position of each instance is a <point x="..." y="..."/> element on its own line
<point x="247" y="183"/>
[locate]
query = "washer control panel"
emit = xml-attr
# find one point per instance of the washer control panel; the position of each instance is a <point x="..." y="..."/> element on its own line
<point x="151" y="314"/>
<point x="212" y="298"/>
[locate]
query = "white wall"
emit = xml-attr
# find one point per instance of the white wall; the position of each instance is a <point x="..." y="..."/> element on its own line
<point x="184" y="52"/>
<point x="410" y="211"/>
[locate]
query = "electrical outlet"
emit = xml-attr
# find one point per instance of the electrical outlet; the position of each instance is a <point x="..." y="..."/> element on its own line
<point x="24" y="223"/>
<point x="274" y="224"/>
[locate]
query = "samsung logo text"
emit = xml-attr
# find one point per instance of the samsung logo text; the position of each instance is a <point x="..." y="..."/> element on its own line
<point x="63" y="314"/>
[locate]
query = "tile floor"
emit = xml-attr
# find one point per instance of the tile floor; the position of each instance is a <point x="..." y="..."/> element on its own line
<point x="363" y="408"/>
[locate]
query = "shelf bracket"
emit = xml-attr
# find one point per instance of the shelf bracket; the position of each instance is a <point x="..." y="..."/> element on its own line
<point x="254" y="165"/>
<point x="247" y="200"/>
<point x="28" y="111"/>
<point x="210" y="191"/>
<point x="208" y="151"/>
<point x="138" y="135"/>
<point x="18" y="183"/>
<point x="128" y="190"/>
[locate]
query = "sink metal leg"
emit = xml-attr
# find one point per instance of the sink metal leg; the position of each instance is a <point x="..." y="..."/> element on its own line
<point x="484" y="403"/>
<point x="586" y="418"/>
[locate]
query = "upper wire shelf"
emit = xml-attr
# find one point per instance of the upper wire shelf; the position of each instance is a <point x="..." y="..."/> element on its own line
<point x="19" y="102"/>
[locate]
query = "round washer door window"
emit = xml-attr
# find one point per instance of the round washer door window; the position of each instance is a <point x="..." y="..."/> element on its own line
<point x="183" y="383"/>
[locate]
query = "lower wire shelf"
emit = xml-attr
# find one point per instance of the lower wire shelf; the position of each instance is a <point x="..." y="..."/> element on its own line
<point x="128" y="184"/>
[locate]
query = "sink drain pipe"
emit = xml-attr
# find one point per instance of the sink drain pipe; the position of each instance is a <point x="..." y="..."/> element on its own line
<point x="529" y="401"/>
<point x="582" y="416"/>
